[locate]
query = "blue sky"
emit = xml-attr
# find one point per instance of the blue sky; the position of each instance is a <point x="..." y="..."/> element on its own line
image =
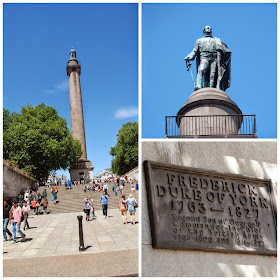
<point x="37" y="39"/>
<point x="169" y="34"/>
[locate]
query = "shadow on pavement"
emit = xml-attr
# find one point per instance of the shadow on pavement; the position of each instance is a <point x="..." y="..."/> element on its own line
<point x="28" y="239"/>
<point x="129" y="275"/>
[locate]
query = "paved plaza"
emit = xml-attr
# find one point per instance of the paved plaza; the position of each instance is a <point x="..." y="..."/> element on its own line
<point x="53" y="240"/>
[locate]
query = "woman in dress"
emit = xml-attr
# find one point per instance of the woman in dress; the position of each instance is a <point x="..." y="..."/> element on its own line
<point x="123" y="209"/>
<point x="54" y="196"/>
<point x="132" y="204"/>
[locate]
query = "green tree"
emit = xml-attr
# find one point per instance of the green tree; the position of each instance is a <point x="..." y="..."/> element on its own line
<point x="38" y="141"/>
<point x="125" y="152"/>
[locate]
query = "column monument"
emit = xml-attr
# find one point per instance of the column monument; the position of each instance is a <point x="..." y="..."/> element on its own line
<point x="83" y="169"/>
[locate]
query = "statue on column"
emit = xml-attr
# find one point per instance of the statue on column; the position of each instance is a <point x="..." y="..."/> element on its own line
<point x="72" y="53"/>
<point x="213" y="59"/>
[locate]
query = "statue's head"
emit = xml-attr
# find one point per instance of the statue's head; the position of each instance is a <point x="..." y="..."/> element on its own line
<point x="207" y="30"/>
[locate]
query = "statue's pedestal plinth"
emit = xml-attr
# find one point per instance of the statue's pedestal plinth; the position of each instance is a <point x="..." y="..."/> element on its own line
<point x="209" y="112"/>
<point x="82" y="170"/>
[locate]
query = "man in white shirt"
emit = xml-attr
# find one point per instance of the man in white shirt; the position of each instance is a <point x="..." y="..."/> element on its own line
<point x="105" y="188"/>
<point x="25" y="210"/>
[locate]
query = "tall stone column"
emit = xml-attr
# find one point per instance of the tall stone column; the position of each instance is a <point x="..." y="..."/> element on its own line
<point x="83" y="170"/>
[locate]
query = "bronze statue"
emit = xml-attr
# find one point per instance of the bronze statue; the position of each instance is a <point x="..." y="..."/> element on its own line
<point x="213" y="59"/>
<point x="72" y="53"/>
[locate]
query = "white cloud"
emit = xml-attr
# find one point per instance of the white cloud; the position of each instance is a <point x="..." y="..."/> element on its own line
<point x="127" y="112"/>
<point x="62" y="86"/>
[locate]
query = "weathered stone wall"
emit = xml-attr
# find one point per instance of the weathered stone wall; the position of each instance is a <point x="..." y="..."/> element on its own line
<point x="132" y="174"/>
<point x="14" y="180"/>
<point x="256" y="159"/>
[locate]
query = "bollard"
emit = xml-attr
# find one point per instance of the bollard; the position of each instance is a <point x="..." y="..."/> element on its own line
<point x="81" y="238"/>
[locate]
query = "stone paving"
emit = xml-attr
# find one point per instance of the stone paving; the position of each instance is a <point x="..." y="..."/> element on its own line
<point x="58" y="235"/>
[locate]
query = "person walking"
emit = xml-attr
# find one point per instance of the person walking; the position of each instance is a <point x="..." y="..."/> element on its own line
<point x="32" y="195"/>
<point x="33" y="205"/>
<point x="104" y="201"/>
<point x="16" y="215"/>
<point x="44" y="193"/>
<point x="115" y="189"/>
<point x="27" y="197"/>
<point x="123" y="209"/>
<point x="45" y="204"/>
<point x="37" y="207"/>
<point x="136" y="187"/>
<point x="6" y="219"/>
<point x="54" y="196"/>
<point x="133" y="189"/>
<point x="87" y="202"/>
<point x="132" y="204"/>
<point x="92" y="214"/>
<point x="39" y="198"/>
<point x="105" y="188"/>
<point x="25" y="211"/>
<point x="20" y="200"/>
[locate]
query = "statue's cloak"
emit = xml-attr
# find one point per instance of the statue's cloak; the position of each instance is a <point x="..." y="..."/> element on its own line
<point x="223" y="75"/>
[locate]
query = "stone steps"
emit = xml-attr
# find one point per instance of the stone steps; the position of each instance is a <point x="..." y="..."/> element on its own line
<point x="73" y="200"/>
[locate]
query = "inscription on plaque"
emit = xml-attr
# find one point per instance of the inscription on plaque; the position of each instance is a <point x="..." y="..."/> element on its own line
<point x="202" y="210"/>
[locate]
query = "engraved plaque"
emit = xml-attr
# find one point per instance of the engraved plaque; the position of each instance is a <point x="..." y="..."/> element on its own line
<point x="195" y="209"/>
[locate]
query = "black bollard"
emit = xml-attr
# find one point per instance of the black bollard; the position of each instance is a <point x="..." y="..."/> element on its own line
<point x="81" y="237"/>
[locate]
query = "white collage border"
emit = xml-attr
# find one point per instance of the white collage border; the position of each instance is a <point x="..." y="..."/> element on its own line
<point x="140" y="2"/>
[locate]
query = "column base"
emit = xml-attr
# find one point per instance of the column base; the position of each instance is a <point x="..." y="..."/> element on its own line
<point x="209" y="112"/>
<point x="82" y="170"/>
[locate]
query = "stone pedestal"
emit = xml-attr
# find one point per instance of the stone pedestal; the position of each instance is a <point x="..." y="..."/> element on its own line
<point x="210" y="113"/>
<point x="82" y="170"/>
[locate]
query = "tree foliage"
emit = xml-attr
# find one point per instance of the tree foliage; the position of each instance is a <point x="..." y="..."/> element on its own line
<point x="125" y="152"/>
<point x="38" y="140"/>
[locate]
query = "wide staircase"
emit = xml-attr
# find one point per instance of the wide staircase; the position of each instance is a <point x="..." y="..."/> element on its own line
<point x="72" y="200"/>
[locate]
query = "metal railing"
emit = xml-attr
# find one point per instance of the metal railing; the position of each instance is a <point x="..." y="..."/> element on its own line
<point x="210" y="126"/>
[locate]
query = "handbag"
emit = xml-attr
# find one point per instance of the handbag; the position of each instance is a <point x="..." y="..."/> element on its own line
<point x="85" y="210"/>
<point x="135" y="205"/>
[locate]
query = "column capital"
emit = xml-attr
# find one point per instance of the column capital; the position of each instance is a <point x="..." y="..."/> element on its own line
<point x="73" y="67"/>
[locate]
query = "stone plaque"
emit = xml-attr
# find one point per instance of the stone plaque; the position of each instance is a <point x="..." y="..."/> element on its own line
<point x="195" y="209"/>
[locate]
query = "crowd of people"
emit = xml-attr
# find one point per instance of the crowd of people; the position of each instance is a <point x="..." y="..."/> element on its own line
<point x="125" y="205"/>
<point x="14" y="213"/>
<point x="36" y="200"/>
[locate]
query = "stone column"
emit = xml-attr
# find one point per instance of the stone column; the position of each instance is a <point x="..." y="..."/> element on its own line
<point x="76" y="106"/>
<point x="83" y="169"/>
